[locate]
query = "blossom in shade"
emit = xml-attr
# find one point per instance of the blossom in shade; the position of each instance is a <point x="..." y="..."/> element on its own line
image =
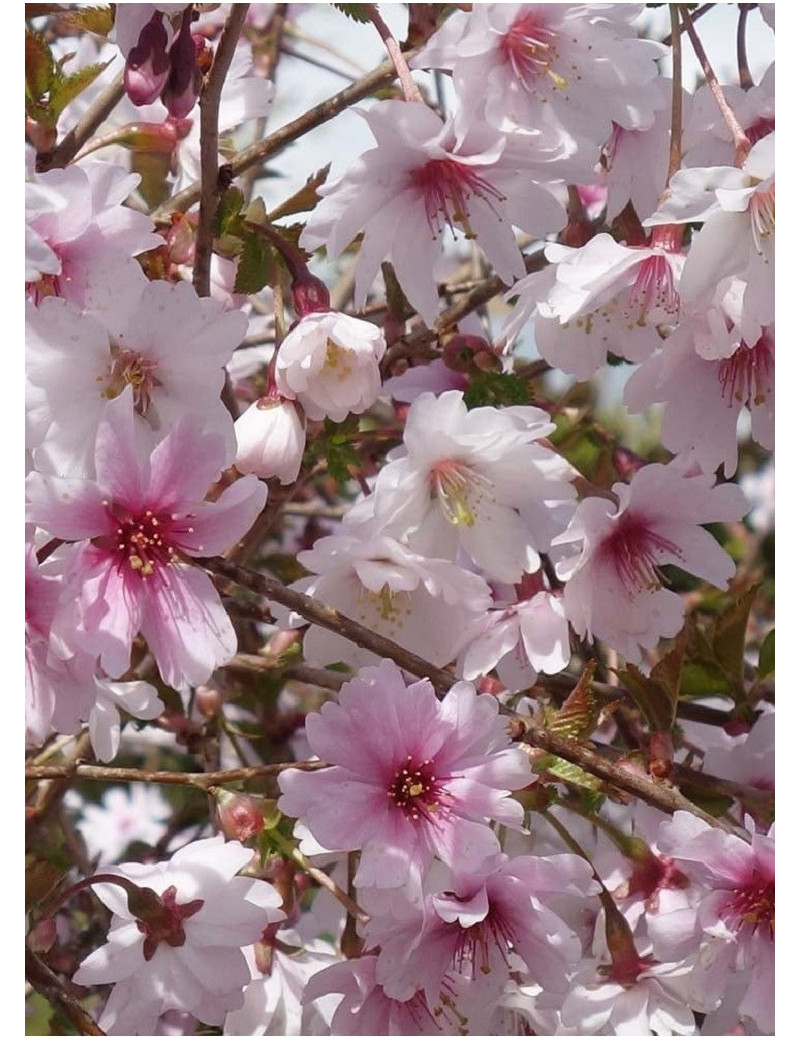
<point x="426" y="178"/>
<point x="427" y="605"/>
<point x="138" y="812"/>
<point x="614" y="587"/>
<point x="137" y="526"/>
<point x="185" y="952"/>
<point x="735" y="920"/>
<point x="475" y="480"/>
<point x="163" y="342"/>
<point x="411" y="778"/>
<point x="329" y="364"/>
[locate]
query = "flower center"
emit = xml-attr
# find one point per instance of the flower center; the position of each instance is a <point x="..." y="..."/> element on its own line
<point x="460" y="490"/>
<point x="748" y="375"/>
<point x="762" y="215"/>
<point x="530" y="48"/>
<point x="338" y="361"/>
<point x="142" y="541"/>
<point x="129" y="368"/>
<point x="415" y="789"/>
<point x="446" y="187"/>
<point x="762" y="127"/>
<point x="475" y="945"/>
<point x="168" y="925"/>
<point x="635" y="552"/>
<point x="752" y="906"/>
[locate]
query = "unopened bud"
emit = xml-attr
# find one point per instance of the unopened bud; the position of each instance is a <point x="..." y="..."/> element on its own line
<point x="241" y="816"/>
<point x="209" y="701"/>
<point x="148" y="65"/>
<point x="459" y="352"/>
<point x="310" y="295"/>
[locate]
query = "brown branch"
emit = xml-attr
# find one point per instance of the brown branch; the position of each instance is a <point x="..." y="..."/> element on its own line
<point x="676" y="124"/>
<point x="49" y="986"/>
<point x="325" y="616"/>
<point x="72" y="142"/>
<point x="663" y="796"/>
<point x="745" y="76"/>
<point x="285" y="135"/>
<point x="411" y="91"/>
<point x="739" y="137"/>
<point x="209" y="146"/>
<point x="120" y="774"/>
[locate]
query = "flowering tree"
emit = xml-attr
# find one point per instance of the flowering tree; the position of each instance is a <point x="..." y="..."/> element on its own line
<point x="399" y="633"/>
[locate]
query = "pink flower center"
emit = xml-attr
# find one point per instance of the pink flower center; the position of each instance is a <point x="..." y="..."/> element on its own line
<point x="415" y="789"/>
<point x="635" y="552"/>
<point x="446" y="187"/>
<point x="168" y="925"/>
<point x="748" y="375"/>
<point x="143" y="541"/>
<point x="475" y="944"/>
<point x="752" y="907"/>
<point x="654" y="291"/>
<point x="129" y="368"/>
<point x="762" y="127"/>
<point x="530" y="48"/>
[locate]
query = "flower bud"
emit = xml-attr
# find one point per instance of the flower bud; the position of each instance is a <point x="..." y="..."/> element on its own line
<point x="241" y="816"/>
<point x="310" y="295"/>
<point x="270" y="439"/>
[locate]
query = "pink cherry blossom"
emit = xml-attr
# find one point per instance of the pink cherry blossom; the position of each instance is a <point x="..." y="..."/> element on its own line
<point x="138" y="524"/>
<point x="409" y="778"/>
<point x="191" y="959"/>
<point x="614" y="589"/>
<point x="270" y="439"/>
<point x="423" y="179"/>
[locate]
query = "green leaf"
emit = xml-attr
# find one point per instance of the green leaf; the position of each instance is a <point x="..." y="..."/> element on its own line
<point x="569" y="772"/>
<point x="358" y="12"/>
<point x="97" y="20"/>
<point x="578" y="715"/>
<point x="766" y="657"/>
<point x="66" y="88"/>
<point x="256" y="265"/>
<point x="227" y="219"/>
<point x="496" y="389"/>
<point x="657" y="694"/>
<point x="729" y="634"/>
<point x="40" y="70"/>
<point x="306" y="198"/>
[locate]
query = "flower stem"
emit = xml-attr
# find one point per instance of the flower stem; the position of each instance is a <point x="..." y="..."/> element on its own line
<point x="411" y="91"/>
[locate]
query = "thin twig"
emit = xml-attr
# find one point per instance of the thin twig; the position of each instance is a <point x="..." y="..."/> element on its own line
<point x="662" y="796"/>
<point x="676" y="125"/>
<point x="411" y="91"/>
<point x="72" y="142"/>
<point x="740" y="140"/>
<point x="745" y="76"/>
<point x="325" y="616"/>
<point x="50" y="987"/>
<point x="380" y="77"/>
<point x="697" y="14"/>
<point x="209" y="147"/>
<point x="120" y="774"/>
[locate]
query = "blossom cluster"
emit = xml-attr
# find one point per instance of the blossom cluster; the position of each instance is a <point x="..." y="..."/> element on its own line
<point x="477" y="677"/>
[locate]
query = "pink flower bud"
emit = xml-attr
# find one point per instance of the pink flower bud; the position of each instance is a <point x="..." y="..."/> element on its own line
<point x="241" y="816"/>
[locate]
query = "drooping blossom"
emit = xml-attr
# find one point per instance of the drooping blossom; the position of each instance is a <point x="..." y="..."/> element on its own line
<point x="270" y="439"/>
<point x="604" y="297"/>
<point x="575" y="68"/>
<point x="735" y="920"/>
<point x="410" y="777"/>
<point x="159" y="62"/>
<point x="424" y="179"/>
<point x="737" y="208"/>
<point x="472" y="479"/>
<point x="614" y="587"/>
<point x="329" y="364"/>
<point x="138" y="524"/>
<point x="706" y="377"/>
<point x="430" y="606"/>
<point x="185" y="952"/>
<point x="162" y="341"/>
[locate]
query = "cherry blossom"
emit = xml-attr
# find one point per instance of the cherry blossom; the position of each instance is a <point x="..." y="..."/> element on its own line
<point x="410" y="778"/>
<point x="137" y="524"/>
<point x="270" y="439"/>
<point x="188" y="956"/>
<point x="614" y="588"/>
